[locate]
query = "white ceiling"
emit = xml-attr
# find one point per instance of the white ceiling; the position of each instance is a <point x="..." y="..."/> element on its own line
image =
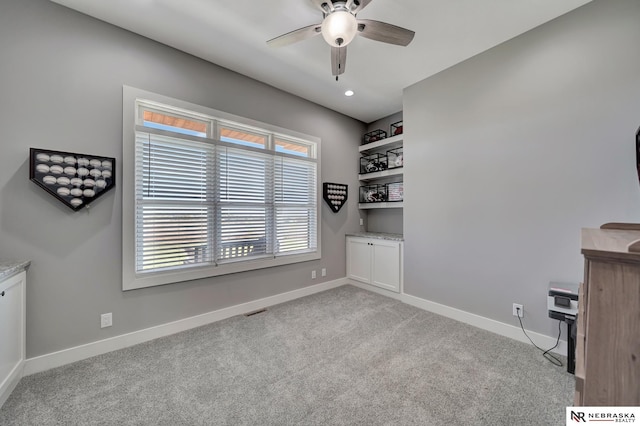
<point x="233" y="34"/>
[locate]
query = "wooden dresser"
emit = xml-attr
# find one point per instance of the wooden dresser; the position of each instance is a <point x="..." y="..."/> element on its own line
<point x="608" y="335"/>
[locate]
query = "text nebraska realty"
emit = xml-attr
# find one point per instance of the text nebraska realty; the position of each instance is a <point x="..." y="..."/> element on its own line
<point x="614" y="417"/>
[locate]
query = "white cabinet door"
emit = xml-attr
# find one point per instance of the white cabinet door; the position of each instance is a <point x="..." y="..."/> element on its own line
<point x="359" y="259"/>
<point x="12" y="333"/>
<point x="385" y="268"/>
<point x="375" y="261"/>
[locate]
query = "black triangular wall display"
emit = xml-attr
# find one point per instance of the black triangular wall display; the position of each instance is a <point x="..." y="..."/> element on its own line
<point x="74" y="179"/>
<point x="335" y="194"/>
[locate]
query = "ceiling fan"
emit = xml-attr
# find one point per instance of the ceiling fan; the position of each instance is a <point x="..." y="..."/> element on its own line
<point x="340" y="25"/>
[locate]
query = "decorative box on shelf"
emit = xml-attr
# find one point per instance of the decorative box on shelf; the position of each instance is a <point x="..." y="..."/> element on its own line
<point x="375" y="193"/>
<point x="395" y="191"/>
<point x="396" y="128"/>
<point x="376" y="162"/>
<point x="373" y="136"/>
<point x="395" y="158"/>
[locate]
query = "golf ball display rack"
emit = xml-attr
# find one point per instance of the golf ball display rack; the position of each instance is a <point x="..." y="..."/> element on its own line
<point x="373" y="136"/>
<point x="335" y="194"/>
<point x="74" y="179"/>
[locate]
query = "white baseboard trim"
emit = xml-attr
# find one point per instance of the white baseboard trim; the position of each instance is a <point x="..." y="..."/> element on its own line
<point x="10" y="382"/>
<point x="503" y="329"/>
<point x="78" y="353"/>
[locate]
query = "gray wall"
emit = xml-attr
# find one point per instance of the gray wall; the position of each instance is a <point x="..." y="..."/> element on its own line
<point x="510" y="153"/>
<point x="384" y="220"/>
<point x="61" y="83"/>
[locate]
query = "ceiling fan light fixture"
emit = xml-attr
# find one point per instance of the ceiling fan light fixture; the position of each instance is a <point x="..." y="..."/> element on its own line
<point x="339" y="28"/>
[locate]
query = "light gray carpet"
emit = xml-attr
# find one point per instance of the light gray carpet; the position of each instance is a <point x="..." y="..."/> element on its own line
<point x="344" y="356"/>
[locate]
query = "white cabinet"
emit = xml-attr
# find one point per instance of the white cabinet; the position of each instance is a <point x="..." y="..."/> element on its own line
<point x="12" y="333"/>
<point x="375" y="261"/>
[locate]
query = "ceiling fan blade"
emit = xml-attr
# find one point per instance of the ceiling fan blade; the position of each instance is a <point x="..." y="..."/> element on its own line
<point x="338" y="60"/>
<point x="325" y="6"/>
<point x="295" y="36"/>
<point x="386" y="33"/>
<point x="357" y="5"/>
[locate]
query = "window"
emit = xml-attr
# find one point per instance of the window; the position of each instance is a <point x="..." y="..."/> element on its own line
<point x="209" y="194"/>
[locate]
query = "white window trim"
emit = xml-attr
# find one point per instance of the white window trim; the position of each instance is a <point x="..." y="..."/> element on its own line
<point x="131" y="280"/>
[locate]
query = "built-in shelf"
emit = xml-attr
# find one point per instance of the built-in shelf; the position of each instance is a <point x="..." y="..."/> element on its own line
<point x="391" y="205"/>
<point x="381" y="146"/>
<point x="377" y="175"/>
<point x="388" y="143"/>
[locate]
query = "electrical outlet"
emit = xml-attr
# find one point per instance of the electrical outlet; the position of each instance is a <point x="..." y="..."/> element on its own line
<point x="361" y="222"/>
<point x="518" y="310"/>
<point x="106" y="320"/>
<point x="313" y="274"/>
<point x="323" y="272"/>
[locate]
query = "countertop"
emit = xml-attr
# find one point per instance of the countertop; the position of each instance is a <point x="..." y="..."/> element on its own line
<point x="9" y="268"/>
<point x="610" y="243"/>
<point x="377" y="235"/>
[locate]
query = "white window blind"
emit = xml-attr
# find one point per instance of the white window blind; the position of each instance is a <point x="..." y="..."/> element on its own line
<point x="219" y="203"/>
<point x="175" y="198"/>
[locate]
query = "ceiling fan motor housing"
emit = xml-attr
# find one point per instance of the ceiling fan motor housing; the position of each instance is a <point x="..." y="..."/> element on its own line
<point x="339" y="26"/>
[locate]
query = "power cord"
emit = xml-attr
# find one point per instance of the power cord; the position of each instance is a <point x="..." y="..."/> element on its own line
<point x="550" y="357"/>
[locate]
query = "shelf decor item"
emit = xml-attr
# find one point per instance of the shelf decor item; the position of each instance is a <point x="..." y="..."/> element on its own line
<point x="395" y="158"/>
<point x="395" y="191"/>
<point x="396" y="128"/>
<point x="373" y="163"/>
<point x="375" y="193"/>
<point x="335" y="194"/>
<point x="74" y="179"/>
<point x="373" y="136"/>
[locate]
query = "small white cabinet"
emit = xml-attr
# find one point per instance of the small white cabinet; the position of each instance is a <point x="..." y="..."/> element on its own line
<point x="375" y="261"/>
<point x="12" y="333"/>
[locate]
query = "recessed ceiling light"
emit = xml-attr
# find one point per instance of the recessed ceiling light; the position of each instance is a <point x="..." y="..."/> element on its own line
<point x="348" y="93"/>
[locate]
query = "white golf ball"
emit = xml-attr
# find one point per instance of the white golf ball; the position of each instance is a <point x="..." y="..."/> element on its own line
<point x="106" y="164"/>
<point x="82" y="171"/>
<point x="89" y="193"/>
<point x="89" y="183"/>
<point x="70" y="160"/>
<point x="49" y="180"/>
<point x="101" y="183"/>
<point x="62" y="180"/>
<point x="71" y="171"/>
<point x="83" y="162"/>
<point x="95" y="163"/>
<point x="95" y="173"/>
<point x="75" y="202"/>
<point x="106" y="174"/>
<point x="64" y="191"/>
<point x="55" y="169"/>
<point x="56" y="159"/>
<point x="76" y="192"/>
<point x="42" y="168"/>
<point x="76" y="182"/>
<point x="42" y="157"/>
